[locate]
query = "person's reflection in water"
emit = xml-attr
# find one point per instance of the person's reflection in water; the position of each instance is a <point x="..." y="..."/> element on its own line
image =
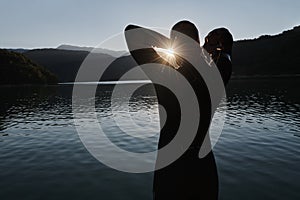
<point x="189" y="177"/>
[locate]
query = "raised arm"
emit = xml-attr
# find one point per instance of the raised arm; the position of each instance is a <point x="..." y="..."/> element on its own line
<point x="141" y="42"/>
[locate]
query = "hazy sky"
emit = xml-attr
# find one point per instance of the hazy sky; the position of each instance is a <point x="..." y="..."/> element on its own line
<point x="38" y="23"/>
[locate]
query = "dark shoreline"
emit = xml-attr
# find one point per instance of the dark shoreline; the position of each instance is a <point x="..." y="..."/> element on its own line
<point x="242" y="77"/>
<point x="234" y="78"/>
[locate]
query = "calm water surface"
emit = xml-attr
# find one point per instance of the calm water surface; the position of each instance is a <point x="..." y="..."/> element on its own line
<point x="42" y="157"/>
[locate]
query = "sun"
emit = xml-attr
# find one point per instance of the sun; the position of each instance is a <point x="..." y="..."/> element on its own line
<point x="165" y="53"/>
<point x="169" y="52"/>
<point x="168" y="55"/>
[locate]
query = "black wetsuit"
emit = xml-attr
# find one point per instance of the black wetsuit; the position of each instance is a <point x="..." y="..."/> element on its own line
<point x="189" y="177"/>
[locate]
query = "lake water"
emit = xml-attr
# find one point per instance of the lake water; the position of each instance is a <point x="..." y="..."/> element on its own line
<point x="42" y="157"/>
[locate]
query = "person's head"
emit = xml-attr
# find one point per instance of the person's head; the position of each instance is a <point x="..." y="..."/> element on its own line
<point x="219" y="38"/>
<point x="187" y="28"/>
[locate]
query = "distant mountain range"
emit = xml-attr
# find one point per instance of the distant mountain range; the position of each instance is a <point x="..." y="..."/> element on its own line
<point x="92" y="49"/>
<point x="65" y="63"/>
<point x="266" y="56"/>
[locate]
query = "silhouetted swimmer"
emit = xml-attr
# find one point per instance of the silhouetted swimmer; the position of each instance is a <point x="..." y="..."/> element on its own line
<point x="218" y="43"/>
<point x="188" y="177"/>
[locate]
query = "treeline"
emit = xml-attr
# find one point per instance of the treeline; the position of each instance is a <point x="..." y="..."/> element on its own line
<point x="268" y="55"/>
<point x="15" y="68"/>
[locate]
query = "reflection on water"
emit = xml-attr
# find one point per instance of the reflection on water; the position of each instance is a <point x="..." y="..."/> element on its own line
<point x="258" y="152"/>
<point x="41" y="156"/>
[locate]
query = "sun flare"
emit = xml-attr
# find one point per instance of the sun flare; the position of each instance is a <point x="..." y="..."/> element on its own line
<point x="168" y="55"/>
<point x="165" y="53"/>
